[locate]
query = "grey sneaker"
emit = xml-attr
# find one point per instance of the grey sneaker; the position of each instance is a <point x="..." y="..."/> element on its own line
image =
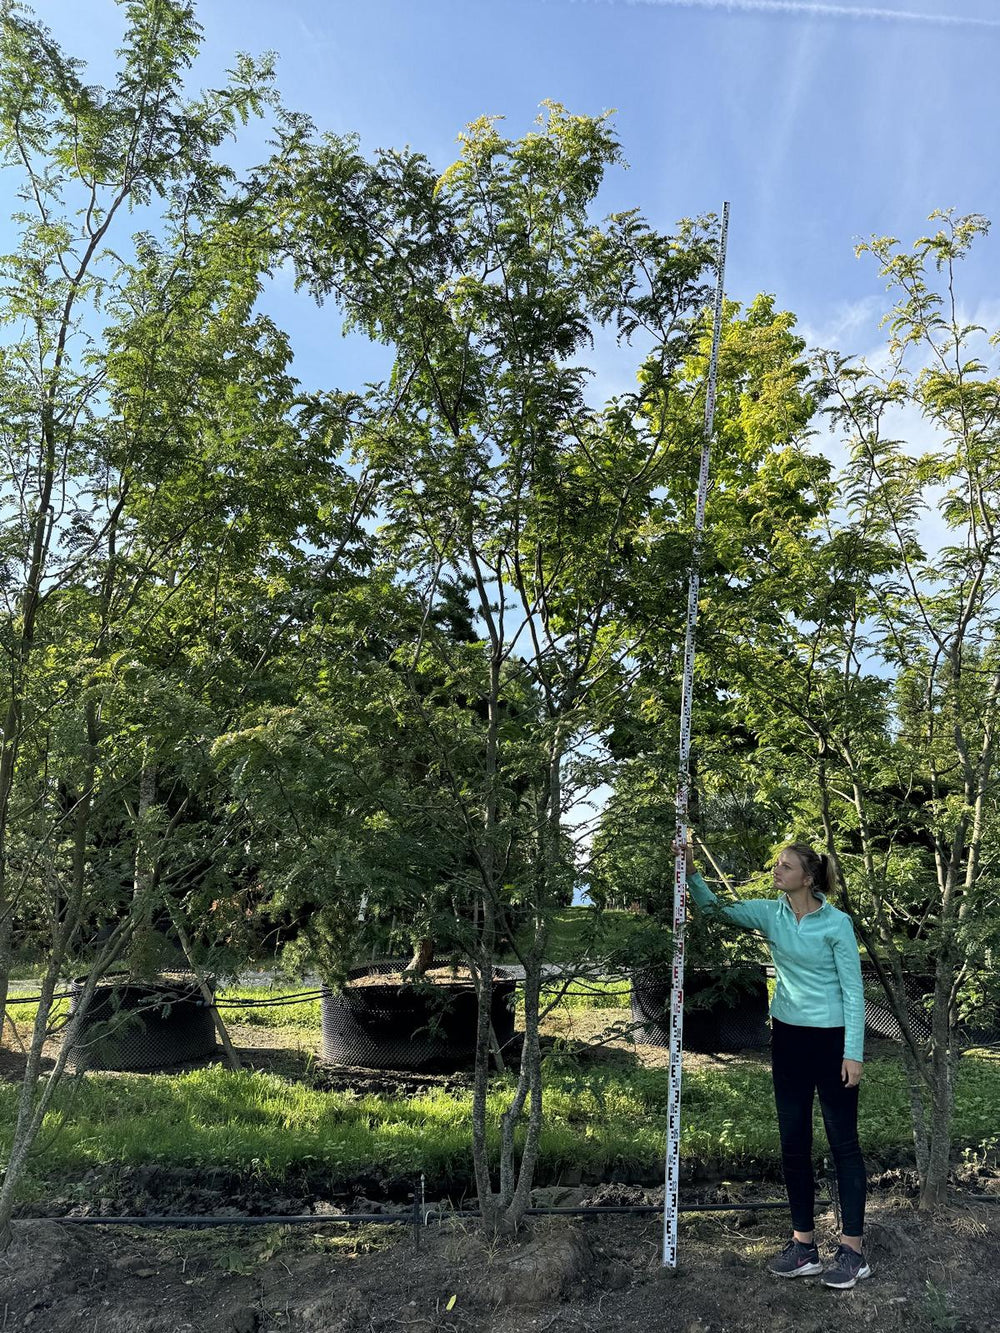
<point x="847" y="1268"/>
<point x="796" y="1260"/>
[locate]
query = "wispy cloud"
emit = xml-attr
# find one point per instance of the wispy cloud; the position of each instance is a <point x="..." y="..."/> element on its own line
<point x="790" y="97"/>
<point x="867" y="13"/>
<point x="842" y="324"/>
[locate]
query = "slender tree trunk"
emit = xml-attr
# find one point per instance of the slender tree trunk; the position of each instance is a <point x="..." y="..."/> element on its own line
<point x="14" y="717"/>
<point x="517" y="1192"/>
<point x="232" y="1058"/>
<point x="511" y="1117"/>
<point x="33" y="1105"/>
<point x="520" y="1197"/>
<point x="934" y="1177"/>
<point x="917" y="1089"/>
<point x="890" y="977"/>
<point x="143" y="864"/>
<point x="480" y="1094"/>
<point x="516" y="1179"/>
<point x="490" y="1207"/>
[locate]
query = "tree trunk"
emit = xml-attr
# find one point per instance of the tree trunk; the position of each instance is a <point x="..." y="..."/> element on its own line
<point x="532" y="1064"/>
<point x="32" y="1105"/>
<point x="934" y="1179"/>
<point x="232" y="1058"/>
<point x="143" y="866"/>
<point x="423" y="956"/>
<point x="515" y="1187"/>
<point x="480" y="1094"/>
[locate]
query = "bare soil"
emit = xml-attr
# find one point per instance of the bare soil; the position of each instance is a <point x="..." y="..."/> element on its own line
<point x="561" y="1274"/>
<point x="438" y="976"/>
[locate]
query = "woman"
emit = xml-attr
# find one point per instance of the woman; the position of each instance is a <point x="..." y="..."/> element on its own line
<point x="817" y="1039"/>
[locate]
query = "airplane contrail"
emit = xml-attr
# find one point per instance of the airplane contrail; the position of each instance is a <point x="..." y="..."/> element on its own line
<point x="820" y="10"/>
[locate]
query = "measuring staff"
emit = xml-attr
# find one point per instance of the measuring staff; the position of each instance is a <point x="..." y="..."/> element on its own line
<point x="671" y="1188"/>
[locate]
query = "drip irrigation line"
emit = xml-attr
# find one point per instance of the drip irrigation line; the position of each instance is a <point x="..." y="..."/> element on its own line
<point x="13" y="1000"/>
<point x="254" y="1003"/>
<point x="431" y="1214"/>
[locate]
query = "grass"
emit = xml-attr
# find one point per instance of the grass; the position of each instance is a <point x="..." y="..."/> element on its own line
<point x="266" y="1126"/>
<point x="595" y="1119"/>
<point x="256" y="1013"/>
<point x="23" y="1015"/>
<point x="582" y="994"/>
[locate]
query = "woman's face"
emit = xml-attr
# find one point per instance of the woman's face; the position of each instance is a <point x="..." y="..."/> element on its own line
<point x="789" y="875"/>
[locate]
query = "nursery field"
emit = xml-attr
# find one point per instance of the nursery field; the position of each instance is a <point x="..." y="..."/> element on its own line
<point x="289" y="1135"/>
<point x="411" y="557"/>
<point x="288" y="1124"/>
<point x="565" y="1275"/>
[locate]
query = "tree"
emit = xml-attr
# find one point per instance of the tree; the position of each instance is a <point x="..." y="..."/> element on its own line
<point x="496" y="479"/>
<point x="874" y="696"/>
<point x="161" y="475"/>
<point x="763" y="497"/>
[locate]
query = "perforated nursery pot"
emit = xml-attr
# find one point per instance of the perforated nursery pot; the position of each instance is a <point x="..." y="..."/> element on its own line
<point x="727" y="1024"/>
<point x="140" y="1027"/>
<point x="388" y="1025"/>
<point x="880" y="1021"/>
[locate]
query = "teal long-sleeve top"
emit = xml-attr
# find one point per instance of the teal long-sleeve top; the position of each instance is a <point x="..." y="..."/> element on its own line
<point x="816" y="961"/>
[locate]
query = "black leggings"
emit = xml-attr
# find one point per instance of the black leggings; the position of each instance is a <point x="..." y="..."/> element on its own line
<point x="805" y="1061"/>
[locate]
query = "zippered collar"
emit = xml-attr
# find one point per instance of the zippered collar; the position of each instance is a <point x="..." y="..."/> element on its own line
<point x="783" y="902"/>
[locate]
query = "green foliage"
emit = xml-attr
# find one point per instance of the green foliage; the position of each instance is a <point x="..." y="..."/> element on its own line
<point x="936" y="1309"/>
<point x="514" y="523"/>
<point x="323" y="674"/>
<point x="847" y="689"/>
<point x="190" y="467"/>
<point x="768" y="489"/>
<point x="577" y="934"/>
<point x="861" y="682"/>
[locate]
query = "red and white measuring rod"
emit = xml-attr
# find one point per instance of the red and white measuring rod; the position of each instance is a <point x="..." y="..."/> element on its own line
<point x="683" y="782"/>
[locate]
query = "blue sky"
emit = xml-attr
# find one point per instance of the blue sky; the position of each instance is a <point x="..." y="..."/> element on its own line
<point x="821" y="123"/>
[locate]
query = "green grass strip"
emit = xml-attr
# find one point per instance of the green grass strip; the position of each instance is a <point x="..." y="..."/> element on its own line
<point x="301" y="1014"/>
<point x="257" y="1011"/>
<point x="597" y="1120"/>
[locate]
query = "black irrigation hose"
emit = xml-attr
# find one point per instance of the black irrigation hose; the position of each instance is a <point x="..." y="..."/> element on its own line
<point x="255" y="1003"/>
<point x="269" y="1004"/>
<point x="406" y="1219"/>
<point x="249" y="1003"/>
<point x="430" y="1215"/>
<point x="37" y="999"/>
